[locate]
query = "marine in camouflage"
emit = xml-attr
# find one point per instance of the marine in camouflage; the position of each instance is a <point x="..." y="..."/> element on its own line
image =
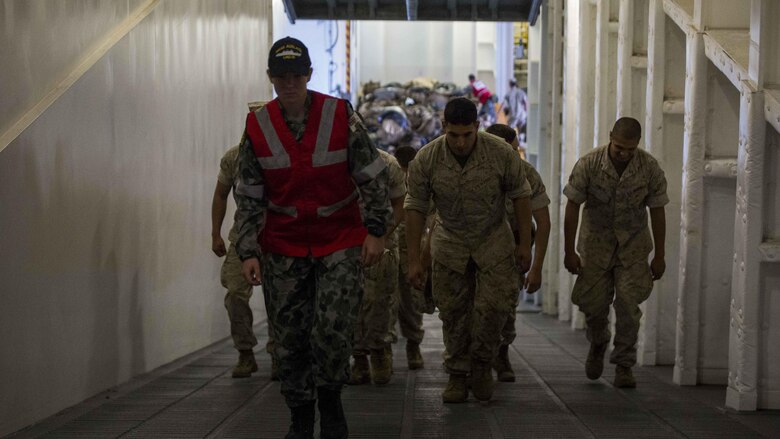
<point x="614" y="243"/>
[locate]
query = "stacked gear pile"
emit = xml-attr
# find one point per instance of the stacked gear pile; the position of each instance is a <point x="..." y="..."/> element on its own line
<point x="405" y="115"/>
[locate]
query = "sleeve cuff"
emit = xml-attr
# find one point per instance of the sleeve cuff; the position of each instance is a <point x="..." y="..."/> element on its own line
<point x="521" y="192"/>
<point x="540" y="201"/>
<point x="415" y="204"/>
<point x="658" y="201"/>
<point x="574" y="195"/>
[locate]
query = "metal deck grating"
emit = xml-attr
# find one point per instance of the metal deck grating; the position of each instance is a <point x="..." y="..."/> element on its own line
<point x="550" y="399"/>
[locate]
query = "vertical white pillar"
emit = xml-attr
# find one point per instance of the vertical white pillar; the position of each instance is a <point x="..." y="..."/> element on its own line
<point x="569" y="140"/>
<point x="745" y="315"/>
<point x="625" y="52"/>
<point x="605" y="63"/>
<point x="686" y="361"/>
<point x="584" y="118"/>
<point x="654" y="143"/>
<point x="554" y="131"/>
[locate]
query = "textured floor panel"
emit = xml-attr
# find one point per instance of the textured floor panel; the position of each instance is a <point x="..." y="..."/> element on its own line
<point x="551" y="399"/>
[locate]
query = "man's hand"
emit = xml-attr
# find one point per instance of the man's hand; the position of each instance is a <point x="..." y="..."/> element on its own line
<point x="523" y="258"/>
<point x="373" y="248"/>
<point x="572" y="263"/>
<point x="533" y="280"/>
<point x="218" y="246"/>
<point x="251" y="271"/>
<point x="657" y="267"/>
<point x="416" y="276"/>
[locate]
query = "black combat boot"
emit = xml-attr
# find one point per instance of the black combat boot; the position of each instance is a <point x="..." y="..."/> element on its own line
<point x="302" y="422"/>
<point x="333" y="424"/>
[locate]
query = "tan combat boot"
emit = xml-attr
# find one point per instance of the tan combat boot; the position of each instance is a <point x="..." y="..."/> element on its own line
<point x="360" y="373"/>
<point x="624" y="378"/>
<point x="594" y="365"/>
<point x="481" y="380"/>
<point x="246" y="364"/>
<point x="456" y="390"/>
<point x="381" y="369"/>
<point x="503" y="367"/>
<point x="413" y="356"/>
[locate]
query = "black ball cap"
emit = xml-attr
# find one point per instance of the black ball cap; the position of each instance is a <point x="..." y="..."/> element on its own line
<point x="288" y="55"/>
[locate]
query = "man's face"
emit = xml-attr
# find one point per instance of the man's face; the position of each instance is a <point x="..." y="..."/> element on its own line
<point x="461" y="138"/>
<point x="290" y="87"/>
<point x="622" y="149"/>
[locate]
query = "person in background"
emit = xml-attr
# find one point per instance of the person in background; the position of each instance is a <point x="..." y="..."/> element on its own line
<point x="408" y="302"/>
<point x="239" y="291"/>
<point x="617" y="183"/>
<point x="304" y="162"/>
<point x="372" y="333"/>
<point x="515" y="106"/>
<point x="532" y="281"/>
<point x="485" y="97"/>
<point x="468" y="174"/>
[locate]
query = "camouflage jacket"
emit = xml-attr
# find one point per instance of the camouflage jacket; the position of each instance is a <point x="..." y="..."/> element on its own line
<point x="615" y="214"/>
<point x="469" y="200"/>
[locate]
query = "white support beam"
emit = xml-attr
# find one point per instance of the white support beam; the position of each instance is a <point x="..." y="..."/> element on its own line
<point x="746" y="319"/>
<point x="770" y="251"/>
<point x="550" y="306"/>
<point x="728" y="51"/>
<point x="585" y="118"/>
<point x="638" y="62"/>
<point x="721" y="168"/>
<point x="625" y="52"/>
<point x="674" y="106"/>
<point x="604" y="93"/>
<point x="679" y="13"/>
<point x="647" y="347"/>
<point x="772" y="108"/>
<point x="545" y="85"/>
<point x="692" y="218"/>
<point x="571" y="127"/>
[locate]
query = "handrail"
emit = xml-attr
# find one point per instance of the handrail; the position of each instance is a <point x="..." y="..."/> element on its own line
<point x="87" y="61"/>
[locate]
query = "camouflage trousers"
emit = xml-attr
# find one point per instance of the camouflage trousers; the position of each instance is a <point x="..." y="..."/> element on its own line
<point x="312" y="305"/>
<point x="372" y="328"/>
<point x="237" y="304"/>
<point x="625" y="288"/>
<point x="473" y="307"/>
<point x="407" y="304"/>
<point x="509" y="332"/>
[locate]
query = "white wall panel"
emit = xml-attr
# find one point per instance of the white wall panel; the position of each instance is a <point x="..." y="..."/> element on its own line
<point x="446" y="51"/>
<point x="30" y="28"/>
<point x="107" y="270"/>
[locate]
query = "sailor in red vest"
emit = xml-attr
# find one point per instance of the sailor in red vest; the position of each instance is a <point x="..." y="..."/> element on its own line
<point x="482" y="92"/>
<point x="305" y="159"/>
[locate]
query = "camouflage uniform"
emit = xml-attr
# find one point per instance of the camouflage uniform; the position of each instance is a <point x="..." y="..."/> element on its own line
<point x="614" y="244"/>
<point x="474" y="273"/>
<point x="408" y="302"/>
<point x="312" y="303"/>
<point x="371" y="332"/>
<point x="238" y="289"/>
<point x="539" y="200"/>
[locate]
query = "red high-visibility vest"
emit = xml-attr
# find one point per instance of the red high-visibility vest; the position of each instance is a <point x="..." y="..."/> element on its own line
<point x="480" y="91"/>
<point x="312" y="200"/>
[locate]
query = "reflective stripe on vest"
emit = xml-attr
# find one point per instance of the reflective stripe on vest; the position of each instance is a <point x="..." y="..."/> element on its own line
<point x="321" y="156"/>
